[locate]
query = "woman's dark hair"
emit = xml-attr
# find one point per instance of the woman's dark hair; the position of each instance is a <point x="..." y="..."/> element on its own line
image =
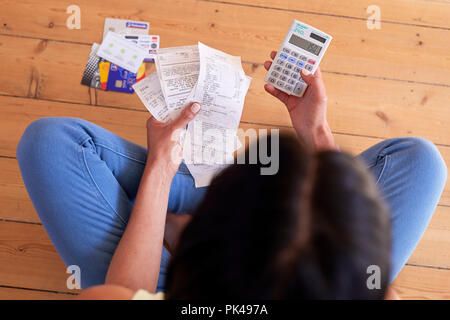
<point x="308" y="232"/>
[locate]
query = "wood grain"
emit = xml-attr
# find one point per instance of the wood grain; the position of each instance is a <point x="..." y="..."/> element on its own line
<point x="27" y="294"/>
<point x="29" y="260"/>
<point x="249" y="32"/>
<point x="413" y="12"/>
<point x="418" y="283"/>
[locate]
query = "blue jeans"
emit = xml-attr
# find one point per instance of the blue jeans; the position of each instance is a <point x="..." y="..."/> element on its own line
<point x="82" y="180"/>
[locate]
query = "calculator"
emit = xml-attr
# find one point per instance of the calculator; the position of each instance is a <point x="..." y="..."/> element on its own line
<point x="302" y="48"/>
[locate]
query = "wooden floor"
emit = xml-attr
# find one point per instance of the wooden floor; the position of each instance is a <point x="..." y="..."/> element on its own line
<point x="381" y="83"/>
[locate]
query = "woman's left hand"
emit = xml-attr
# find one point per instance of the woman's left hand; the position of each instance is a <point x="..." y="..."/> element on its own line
<point x="163" y="140"/>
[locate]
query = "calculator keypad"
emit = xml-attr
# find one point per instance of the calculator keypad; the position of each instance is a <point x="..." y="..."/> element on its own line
<point x="287" y="68"/>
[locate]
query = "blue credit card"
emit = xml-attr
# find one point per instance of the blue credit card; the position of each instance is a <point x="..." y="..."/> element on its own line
<point x="120" y="79"/>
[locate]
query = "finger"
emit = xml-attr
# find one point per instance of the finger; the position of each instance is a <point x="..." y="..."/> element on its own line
<point x="267" y="65"/>
<point x="318" y="73"/>
<point x="307" y="76"/>
<point x="186" y="116"/>
<point x="273" y="54"/>
<point x="282" y="96"/>
<point x="314" y="82"/>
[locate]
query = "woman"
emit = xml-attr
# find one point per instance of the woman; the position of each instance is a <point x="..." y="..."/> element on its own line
<point x="313" y="230"/>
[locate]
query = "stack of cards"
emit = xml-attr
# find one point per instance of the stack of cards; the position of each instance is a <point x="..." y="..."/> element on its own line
<point x="118" y="62"/>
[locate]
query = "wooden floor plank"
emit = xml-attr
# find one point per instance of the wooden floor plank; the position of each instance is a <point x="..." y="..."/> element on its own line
<point x="249" y="32"/>
<point x="415" y="12"/>
<point x="406" y="108"/>
<point x="29" y="260"/>
<point x="14" y="201"/>
<point x="415" y="283"/>
<point x="434" y="247"/>
<point x="26" y="294"/>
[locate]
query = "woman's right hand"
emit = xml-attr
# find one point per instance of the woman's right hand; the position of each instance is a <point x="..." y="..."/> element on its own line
<point x="308" y="113"/>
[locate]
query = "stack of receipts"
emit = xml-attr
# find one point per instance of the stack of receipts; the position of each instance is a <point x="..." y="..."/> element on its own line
<point x="217" y="81"/>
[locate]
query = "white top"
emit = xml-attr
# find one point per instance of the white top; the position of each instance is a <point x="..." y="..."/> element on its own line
<point x="142" y="294"/>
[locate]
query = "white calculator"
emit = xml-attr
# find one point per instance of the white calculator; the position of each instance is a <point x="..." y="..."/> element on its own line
<point x="303" y="47"/>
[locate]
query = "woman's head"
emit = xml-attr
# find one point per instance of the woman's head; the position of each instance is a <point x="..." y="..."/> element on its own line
<point x="310" y="231"/>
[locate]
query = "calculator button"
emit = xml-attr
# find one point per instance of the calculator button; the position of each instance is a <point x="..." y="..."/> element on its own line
<point x="286" y="50"/>
<point x="283" y="56"/>
<point x="286" y="72"/>
<point x="283" y="78"/>
<point x="309" y="67"/>
<point x="288" y="87"/>
<point x="294" y="75"/>
<point x="292" y="81"/>
<point x="311" y="61"/>
<point x="292" y="60"/>
<point x="275" y="74"/>
<point x="280" y="83"/>
<point x="272" y="80"/>
<point x="299" y="87"/>
<point x="289" y="66"/>
<point x="277" y="68"/>
<point x="300" y="64"/>
<point x="303" y="58"/>
<point x="294" y="54"/>
<point x="297" y="69"/>
<point x="280" y="62"/>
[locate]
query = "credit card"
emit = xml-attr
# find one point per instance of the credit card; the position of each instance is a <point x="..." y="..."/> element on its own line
<point x="150" y="43"/>
<point x="122" y="26"/>
<point x="122" y="80"/>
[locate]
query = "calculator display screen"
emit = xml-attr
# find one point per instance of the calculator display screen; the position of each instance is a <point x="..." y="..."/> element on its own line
<point x="305" y="44"/>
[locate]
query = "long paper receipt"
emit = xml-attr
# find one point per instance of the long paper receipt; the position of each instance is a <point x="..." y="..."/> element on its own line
<point x="216" y="80"/>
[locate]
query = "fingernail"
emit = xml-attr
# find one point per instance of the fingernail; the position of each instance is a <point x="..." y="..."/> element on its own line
<point x="195" y="107"/>
<point x="306" y="72"/>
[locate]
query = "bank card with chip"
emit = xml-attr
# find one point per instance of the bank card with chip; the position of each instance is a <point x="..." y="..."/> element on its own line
<point x="122" y="80"/>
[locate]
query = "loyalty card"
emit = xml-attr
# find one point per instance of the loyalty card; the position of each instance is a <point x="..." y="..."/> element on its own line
<point x="122" y="52"/>
<point x="122" y="80"/>
<point x="122" y="26"/>
<point x="150" y="43"/>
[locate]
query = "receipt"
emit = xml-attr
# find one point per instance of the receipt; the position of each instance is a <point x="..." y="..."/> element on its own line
<point x="178" y="69"/>
<point x="150" y="93"/>
<point x="221" y="89"/>
<point x="216" y="80"/>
